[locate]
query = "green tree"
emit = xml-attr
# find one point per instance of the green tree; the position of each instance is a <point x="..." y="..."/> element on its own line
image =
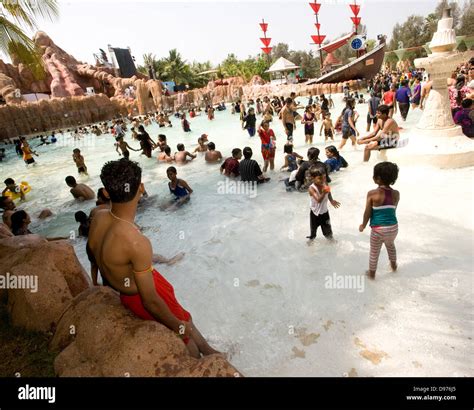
<point x="198" y="80"/>
<point x="230" y="66"/>
<point x="466" y="25"/>
<point x="15" y="16"/>
<point x="455" y="11"/>
<point x="176" y="68"/>
<point x="280" y="50"/>
<point x="159" y="66"/>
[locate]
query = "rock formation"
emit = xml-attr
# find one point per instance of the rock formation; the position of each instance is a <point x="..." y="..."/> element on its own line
<point x="60" y="113"/>
<point x="97" y="336"/>
<point x="94" y="335"/>
<point x="59" y="275"/>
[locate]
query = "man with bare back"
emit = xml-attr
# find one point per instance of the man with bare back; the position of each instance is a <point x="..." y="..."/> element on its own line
<point x="385" y="134"/>
<point x="124" y="257"/>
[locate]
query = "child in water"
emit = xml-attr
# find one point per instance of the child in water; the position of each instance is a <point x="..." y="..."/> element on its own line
<point x="11" y="186"/>
<point x="328" y="128"/>
<point x="319" y="193"/>
<point x="124" y="147"/>
<point x="84" y="223"/>
<point x="249" y="122"/>
<point x="79" y="160"/>
<point x="179" y="188"/>
<point x="185" y="123"/>
<point x="290" y="158"/>
<point x="334" y="161"/>
<point x="380" y="208"/>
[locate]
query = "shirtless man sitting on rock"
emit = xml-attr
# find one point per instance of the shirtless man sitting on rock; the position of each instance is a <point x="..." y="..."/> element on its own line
<point x="385" y="134"/>
<point x="124" y="257"/>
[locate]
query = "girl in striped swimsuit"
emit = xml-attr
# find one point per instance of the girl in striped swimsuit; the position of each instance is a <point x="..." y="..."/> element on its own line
<point x="381" y="210"/>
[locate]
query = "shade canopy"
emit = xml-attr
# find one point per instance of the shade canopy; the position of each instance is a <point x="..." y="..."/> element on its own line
<point x="282" y="64"/>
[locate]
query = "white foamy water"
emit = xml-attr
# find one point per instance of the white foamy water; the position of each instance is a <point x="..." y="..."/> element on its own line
<point x="281" y="320"/>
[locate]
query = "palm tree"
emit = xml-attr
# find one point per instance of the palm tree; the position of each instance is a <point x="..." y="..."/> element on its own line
<point x="17" y="15"/>
<point x="176" y="68"/>
<point x="157" y="65"/>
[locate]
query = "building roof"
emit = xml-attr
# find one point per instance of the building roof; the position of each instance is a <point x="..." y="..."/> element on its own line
<point x="282" y="64"/>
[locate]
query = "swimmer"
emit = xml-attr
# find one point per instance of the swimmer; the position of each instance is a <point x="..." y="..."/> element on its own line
<point x="290" y="164"/>
<point x="201" y="146"/>
<point x="9" y="208"/>
<point x="13" y="188"/>
<point x="27" y="152"/>
<point x="165" y="155"/>
<point x="212" y="155"/>
<point x="230" y="167"/>
<point x="178" y="187"/>
<point x="84" y="223"/>
<point x="124" y="147"/>
<point x="181" y="157"/>
<point x="79" y="191"/>
<point x="20" y="221"/>
<point x="185" y="123"/>
<point x="162" y="141"/>
<point x="79" y="160"/>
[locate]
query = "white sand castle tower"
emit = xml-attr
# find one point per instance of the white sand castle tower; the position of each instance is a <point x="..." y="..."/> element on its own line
<point x="436" y="139"/>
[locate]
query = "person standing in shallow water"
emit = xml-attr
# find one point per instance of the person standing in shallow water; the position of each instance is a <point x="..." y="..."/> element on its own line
<point x="124" y="257"/>
<point x="249" y="122"/>
<point x="403" y="96"/>
<point x="267" y="136"/>
<point x="146" y="143"/>
<point x="380" y="209"/>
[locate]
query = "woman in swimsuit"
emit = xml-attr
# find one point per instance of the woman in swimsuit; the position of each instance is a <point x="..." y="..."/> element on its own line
<point x="308" y="121"/>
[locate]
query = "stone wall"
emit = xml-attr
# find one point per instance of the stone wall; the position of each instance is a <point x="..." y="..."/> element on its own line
<point x="59" y="113"/>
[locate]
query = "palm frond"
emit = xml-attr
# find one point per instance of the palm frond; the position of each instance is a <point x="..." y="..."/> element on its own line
<point x="15" y="43"/>
<point x="29" y="58"/>
<point x="10" y="35"/>
<point x="26" y="12"/>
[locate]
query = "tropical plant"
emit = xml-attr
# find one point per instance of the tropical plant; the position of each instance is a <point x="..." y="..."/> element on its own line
<point x="176" y="68"/>
<point x="466" y="26"/>
<point x="17" y="15"/>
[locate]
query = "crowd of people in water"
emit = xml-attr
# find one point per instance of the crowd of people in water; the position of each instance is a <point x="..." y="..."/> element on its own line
<point x="110" y="225"/>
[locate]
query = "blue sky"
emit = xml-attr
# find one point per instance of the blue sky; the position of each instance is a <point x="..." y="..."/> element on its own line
<point x="209" y="30"/>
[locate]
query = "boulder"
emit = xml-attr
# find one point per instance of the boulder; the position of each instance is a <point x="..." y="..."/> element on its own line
<point x="97" y="336"/>
<point x="52" y="274"/>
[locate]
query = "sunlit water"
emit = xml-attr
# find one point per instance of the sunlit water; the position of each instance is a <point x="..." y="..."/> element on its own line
<point x="257" y="290"/>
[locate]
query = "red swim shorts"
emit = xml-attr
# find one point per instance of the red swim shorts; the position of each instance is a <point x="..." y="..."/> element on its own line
<point x="166" y="292"/>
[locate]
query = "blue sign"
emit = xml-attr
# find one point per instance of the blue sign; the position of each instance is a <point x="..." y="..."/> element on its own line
<point x="357" y="43"/>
